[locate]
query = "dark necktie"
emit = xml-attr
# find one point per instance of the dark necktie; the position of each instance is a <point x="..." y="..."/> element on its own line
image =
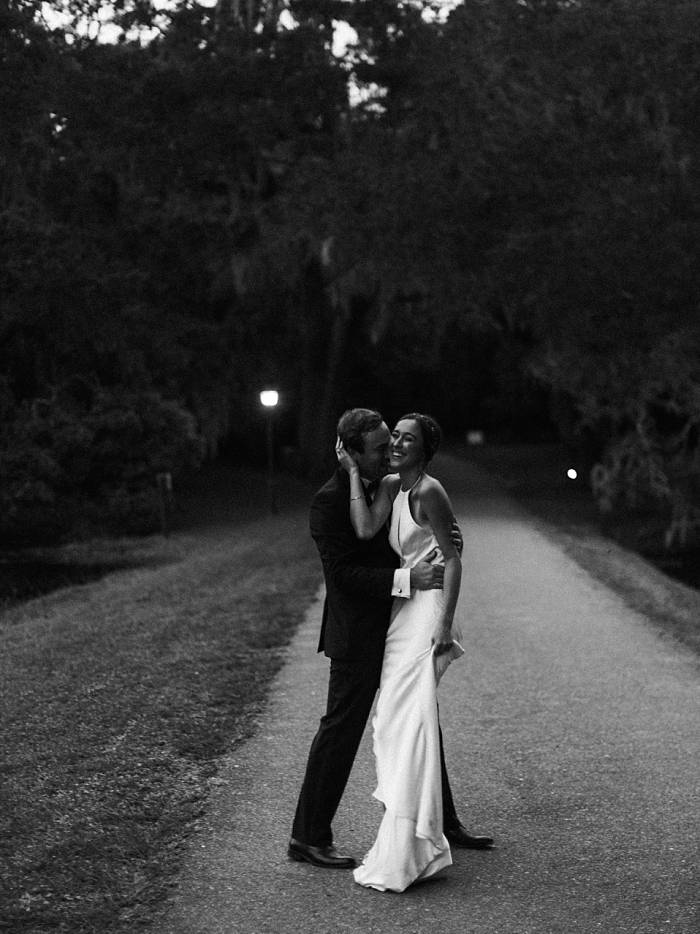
<point x="371" y="489"/>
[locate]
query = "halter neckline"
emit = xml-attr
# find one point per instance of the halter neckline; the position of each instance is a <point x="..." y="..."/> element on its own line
<point x="420" y="475"/>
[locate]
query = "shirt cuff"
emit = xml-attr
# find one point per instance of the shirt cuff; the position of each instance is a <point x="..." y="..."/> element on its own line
<point x="402" y="583"/>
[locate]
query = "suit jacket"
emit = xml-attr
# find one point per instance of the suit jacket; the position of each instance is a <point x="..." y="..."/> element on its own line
<point x="359" y="576"/>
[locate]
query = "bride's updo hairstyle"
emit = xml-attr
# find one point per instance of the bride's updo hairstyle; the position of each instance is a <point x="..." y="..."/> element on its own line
<point x="430" y="431"/>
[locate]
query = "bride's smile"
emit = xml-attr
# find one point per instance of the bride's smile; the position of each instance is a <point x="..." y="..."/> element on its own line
<point x="406" y="448"/>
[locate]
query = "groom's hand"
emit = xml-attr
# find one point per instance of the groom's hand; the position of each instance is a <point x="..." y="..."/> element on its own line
<point x="427" y="576"/>
<point x="456" y="536"/>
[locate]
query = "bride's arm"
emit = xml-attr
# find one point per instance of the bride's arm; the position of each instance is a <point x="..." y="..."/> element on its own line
<point x="435" y="505"/>
<point x="368" y="520"/>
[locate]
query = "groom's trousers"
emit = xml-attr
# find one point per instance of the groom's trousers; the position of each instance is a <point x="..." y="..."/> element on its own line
<point x="351" y="689"/>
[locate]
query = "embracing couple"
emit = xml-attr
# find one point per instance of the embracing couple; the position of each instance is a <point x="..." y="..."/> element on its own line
<point x="387" y="624"/>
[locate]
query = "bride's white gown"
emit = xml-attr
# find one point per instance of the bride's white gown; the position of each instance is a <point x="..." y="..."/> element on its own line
<point x="410" y="844"/>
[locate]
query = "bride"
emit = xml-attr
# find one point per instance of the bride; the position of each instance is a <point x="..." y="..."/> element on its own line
<point x="410" y="845"/>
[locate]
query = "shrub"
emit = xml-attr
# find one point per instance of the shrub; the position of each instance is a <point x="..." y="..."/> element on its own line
<point x="72" y="467"/>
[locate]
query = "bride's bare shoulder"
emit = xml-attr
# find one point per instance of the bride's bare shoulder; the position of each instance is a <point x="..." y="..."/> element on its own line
<point x="391" y="484"/>
<point x="431" y="488"/>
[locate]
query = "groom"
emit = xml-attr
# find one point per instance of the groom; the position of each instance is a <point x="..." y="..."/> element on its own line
<point x="361" y="578"/>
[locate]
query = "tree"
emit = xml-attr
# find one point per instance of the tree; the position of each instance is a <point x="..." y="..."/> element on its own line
<point x="507" y="214"/>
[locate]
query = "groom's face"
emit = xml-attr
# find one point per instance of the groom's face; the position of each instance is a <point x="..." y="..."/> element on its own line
<point x="373" y="462"/>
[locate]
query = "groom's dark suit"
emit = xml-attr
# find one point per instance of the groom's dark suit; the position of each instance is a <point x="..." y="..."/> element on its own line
<point x="359" y="579"/>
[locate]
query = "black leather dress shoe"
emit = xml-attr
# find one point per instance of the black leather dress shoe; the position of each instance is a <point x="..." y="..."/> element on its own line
<point x="458" y="836"/>
<point x="324" y="856"/>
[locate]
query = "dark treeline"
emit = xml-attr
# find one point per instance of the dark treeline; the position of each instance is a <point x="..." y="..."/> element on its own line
<point x="499" y="225"/>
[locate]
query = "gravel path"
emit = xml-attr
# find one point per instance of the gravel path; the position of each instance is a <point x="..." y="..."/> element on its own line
<point x="572" y="736"/>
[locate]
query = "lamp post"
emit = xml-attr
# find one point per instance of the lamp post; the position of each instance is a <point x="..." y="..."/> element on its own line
<point x="269" y="399"/>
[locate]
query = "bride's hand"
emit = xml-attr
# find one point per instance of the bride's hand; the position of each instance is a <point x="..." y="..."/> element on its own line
<point x="442" y="640"/>
<point x="344" y="458"/>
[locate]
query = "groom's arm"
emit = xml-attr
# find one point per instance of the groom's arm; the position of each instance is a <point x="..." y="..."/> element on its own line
<point x="337" y="546"/>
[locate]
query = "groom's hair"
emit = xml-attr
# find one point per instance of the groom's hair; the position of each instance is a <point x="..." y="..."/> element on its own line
<point x="353" y="424"/>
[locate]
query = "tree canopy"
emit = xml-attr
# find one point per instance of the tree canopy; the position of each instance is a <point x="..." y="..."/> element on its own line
<point x="490" y="215"/>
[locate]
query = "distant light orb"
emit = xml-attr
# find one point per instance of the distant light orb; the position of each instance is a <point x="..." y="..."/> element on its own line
<point x="571" y="473"/>
<point x="269" y="398"/>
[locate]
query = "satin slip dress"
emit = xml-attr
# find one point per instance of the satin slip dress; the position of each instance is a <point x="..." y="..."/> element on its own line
<point x="410" y="844"/>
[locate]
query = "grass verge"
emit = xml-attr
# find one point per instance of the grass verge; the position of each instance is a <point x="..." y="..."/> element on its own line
<point x="117" y="698"/>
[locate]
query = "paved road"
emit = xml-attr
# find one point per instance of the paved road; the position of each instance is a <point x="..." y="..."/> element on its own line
<point x="572" y="734"/>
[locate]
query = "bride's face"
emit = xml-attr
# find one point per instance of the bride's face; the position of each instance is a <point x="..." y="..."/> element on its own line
<point x="406" y="449"/>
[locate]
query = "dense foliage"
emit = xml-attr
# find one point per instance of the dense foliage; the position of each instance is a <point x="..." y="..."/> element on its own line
<point x="499" y="225"/>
